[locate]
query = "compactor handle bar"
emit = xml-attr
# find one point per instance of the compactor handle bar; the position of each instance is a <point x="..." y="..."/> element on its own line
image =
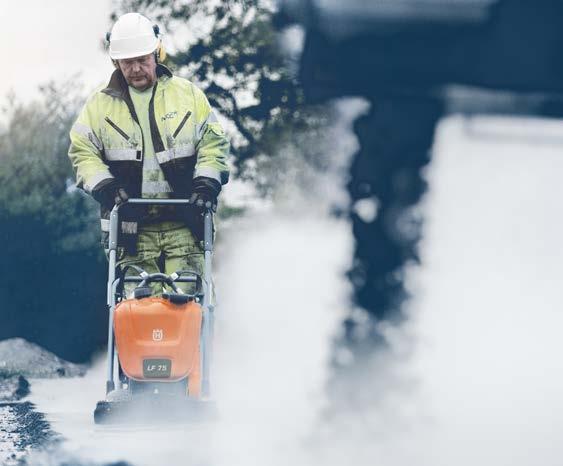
<point x="136" y="200"/>
<point x="161" y="277"/>
<point x="208" y="214"/>
<point x="170" y="280"/>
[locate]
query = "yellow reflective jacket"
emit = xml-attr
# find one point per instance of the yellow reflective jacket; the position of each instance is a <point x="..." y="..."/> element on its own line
<point x="107" y="141"/>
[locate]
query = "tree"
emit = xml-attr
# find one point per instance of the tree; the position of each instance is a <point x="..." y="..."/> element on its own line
<point x="52" y="266"/>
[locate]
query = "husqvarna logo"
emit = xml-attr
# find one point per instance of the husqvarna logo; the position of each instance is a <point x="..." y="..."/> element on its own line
<point x="157" y="334"/>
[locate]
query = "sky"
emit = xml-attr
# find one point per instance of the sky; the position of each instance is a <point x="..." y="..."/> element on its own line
<point x="53" y="40"/>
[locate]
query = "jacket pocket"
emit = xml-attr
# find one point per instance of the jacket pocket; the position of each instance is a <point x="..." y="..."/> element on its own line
<point x="181" y="125"/>
<point x="122" y="133"/>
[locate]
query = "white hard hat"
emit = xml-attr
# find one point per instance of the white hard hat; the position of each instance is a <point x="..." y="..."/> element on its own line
<point x="132" y="35"/>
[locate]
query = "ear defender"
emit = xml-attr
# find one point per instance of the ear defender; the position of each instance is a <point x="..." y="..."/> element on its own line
<point x="159" y="53"/>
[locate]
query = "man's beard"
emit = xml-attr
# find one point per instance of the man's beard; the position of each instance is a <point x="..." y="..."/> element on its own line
<point x="140" y="82"/>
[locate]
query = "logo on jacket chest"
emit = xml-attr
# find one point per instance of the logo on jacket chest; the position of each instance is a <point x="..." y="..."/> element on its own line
<point x="169" y="116"/>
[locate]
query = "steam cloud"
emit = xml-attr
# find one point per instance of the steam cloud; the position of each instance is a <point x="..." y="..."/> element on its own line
<point x="473" y="376"/>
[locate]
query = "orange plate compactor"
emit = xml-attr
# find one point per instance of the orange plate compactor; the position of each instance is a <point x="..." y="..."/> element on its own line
<point x="159" y="348"/>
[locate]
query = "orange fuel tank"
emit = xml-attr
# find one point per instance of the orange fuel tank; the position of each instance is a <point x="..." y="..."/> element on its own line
<point x="159" y="341"/>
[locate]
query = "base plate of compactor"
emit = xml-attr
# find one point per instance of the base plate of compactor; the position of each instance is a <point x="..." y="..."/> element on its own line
<point x="152" y="409"/>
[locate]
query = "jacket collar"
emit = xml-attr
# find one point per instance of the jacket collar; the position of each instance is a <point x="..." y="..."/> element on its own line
<point x="117" y="86"/>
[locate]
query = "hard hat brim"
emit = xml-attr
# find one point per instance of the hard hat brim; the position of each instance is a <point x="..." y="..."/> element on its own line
<point x="132" y="47"/>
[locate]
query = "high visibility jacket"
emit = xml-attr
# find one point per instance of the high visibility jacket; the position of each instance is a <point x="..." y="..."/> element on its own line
<point x="107" y="141"/>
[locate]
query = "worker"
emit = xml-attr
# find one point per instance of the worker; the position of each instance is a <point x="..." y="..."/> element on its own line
<point x="150" y="134"/>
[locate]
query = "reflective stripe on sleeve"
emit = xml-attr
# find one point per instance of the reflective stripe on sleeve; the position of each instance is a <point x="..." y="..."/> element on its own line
<point x="95" y="180"/>
<point x="104" y="224"/>
<point x="87" y="132"/>
<point x="208" y="172"/>
<point x="211" y="118"/>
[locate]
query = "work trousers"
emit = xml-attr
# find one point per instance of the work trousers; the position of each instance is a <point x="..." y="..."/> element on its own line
<point x="165" y="247"/>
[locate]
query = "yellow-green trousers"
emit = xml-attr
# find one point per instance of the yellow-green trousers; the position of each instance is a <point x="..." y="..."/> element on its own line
<point x="165" y="247"/>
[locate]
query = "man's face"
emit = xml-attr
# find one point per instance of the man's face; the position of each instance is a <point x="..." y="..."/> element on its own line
<point x="139" y="72"/>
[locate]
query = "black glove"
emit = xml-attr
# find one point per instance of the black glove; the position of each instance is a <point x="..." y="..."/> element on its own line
<point x="111" y="193"/>
<point x="121" y="196"/>
<point x="204" y="193"/>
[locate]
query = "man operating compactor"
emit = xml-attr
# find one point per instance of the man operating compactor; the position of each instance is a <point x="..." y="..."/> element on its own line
<point x="150" y="134"/>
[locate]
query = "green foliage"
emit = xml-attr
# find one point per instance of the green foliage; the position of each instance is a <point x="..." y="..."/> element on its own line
<point x="35" y="174"/>
<point x="52" y="268"/>
<point x="231" y="50"/>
